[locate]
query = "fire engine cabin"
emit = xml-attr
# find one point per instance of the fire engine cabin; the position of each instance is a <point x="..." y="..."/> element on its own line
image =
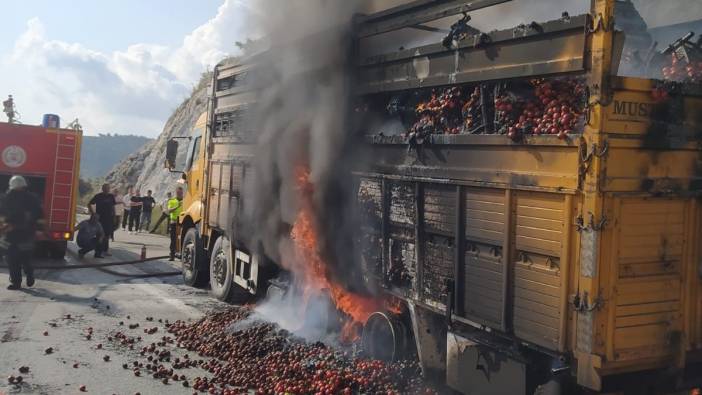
<point x="527" y="256"/>
<point x="49" y="159"/>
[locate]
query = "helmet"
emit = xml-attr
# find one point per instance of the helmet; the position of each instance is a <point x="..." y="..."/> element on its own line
<point x="17" y="182"/>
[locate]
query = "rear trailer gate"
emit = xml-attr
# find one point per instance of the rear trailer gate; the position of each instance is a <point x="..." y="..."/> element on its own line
<point x="651" y="245"/>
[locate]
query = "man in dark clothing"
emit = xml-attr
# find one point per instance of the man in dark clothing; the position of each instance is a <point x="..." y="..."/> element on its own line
<point x="90" y="236"/>
<point x="147" y="207"/>
<point x="104" y="203"/>
<point x="21" y="215"/>
<point x="135" y="211"/>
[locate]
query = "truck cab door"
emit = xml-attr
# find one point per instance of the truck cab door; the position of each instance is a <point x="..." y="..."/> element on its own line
<point x="194" y="178"/>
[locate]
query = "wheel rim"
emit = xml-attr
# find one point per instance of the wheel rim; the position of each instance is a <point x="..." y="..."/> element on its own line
<point x="383" y="337"/>
<point x="188" y="255"/>
<point x="219" y="268"/>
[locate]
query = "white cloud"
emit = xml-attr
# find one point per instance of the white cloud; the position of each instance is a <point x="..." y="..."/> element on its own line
<point x="133" y="90"/>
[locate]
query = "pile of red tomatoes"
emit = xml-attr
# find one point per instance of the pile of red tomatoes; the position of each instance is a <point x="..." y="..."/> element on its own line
<point x="541" y="107"/>
<point x="682" y="71"/>
<point x="556" y="108"/>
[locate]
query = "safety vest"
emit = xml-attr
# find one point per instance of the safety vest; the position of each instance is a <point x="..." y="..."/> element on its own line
<point x="174" y="203"/>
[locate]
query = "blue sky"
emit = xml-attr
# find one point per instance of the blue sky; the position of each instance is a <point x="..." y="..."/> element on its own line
<point x="118" y="66"/>
<point x="108" y="25"/>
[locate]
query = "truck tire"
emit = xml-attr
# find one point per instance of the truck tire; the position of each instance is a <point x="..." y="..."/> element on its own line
<point x="57" y="249"/>
<point x="195" y="271"/>
<point x="222" y="285"/>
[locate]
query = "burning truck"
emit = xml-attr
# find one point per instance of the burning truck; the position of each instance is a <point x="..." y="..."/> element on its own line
<point x="518" y="208"/>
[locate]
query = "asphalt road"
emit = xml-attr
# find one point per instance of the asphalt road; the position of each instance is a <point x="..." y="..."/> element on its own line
<point x="98" y="299"/>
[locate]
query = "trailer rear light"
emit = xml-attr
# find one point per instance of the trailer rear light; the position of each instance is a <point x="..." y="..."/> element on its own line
<point x="61" y="235"/>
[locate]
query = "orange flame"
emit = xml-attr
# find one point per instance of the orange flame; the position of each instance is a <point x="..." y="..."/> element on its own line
<point x="393" y="305"/>
<point x="312" y="269"/>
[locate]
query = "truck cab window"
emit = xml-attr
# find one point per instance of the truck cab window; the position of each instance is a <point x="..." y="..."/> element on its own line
<point x="193" y="153"/>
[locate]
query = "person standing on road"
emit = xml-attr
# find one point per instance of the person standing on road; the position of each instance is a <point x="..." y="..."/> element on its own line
<point x="119" y="211"/>
<point x="127" y="203"/>
<point x="135" y="211"/>
<point x="164" y="213"/>
<point x="90" y="236"/>
<point x="175" y="206"/>
<point x="20" y="212"/>
<point x="104" y="203"/>
<point x="147" y="206"/>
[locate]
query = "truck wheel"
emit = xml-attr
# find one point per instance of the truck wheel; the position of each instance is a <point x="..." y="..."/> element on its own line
<point x="193" y="259"/>
<point x="222" y="284"/>
<point x="57" y="250"/>
<point x="385" y="337"/>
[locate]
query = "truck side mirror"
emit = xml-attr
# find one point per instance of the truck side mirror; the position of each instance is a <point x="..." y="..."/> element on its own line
<point x="171" y="154"/>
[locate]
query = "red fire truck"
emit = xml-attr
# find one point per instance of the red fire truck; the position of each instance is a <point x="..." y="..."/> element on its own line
<point x="49" y="158"/>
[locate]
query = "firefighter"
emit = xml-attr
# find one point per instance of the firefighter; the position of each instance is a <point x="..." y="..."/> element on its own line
<point x="8" y="107"/>
<point x="175" y="206"/>
<point x="21" y="214"/>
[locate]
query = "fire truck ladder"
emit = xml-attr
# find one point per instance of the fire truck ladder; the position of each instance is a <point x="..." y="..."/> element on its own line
<point x="60" y="175"/>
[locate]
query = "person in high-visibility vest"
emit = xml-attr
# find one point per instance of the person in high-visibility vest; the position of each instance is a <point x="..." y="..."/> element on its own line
<point x="175" y="206"/>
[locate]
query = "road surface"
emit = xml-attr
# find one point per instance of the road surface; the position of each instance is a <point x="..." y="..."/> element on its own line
<point x="98" y="299"/>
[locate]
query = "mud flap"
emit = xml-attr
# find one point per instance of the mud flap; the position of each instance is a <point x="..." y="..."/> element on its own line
<point x="429" y="331"/>
<point x="475" y="369"/>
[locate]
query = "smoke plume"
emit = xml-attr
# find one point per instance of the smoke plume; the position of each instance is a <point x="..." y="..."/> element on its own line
<point x="301" y="121"/>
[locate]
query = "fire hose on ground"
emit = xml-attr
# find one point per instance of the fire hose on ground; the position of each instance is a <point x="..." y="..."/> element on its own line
<point x="102" y="266"/>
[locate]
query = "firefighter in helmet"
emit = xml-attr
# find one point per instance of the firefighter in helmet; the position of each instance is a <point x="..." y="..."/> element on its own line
<point x="20" y="219"/>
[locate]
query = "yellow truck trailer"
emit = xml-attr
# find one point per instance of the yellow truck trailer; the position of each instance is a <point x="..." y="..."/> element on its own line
<point x="553" y="257"/>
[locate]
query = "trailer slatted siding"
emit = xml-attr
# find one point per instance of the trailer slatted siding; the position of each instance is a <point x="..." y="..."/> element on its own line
<point x="539" y="231"/>
<point x="227" y="184"/>
<point x="370" y="198"/>
<point x="402" y="239"/>
<point x="439" y="216"/>
<point x="484" y="265"/>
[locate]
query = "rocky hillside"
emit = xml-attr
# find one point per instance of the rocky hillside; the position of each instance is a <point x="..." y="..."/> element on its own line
<point x="144" y="168"/>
